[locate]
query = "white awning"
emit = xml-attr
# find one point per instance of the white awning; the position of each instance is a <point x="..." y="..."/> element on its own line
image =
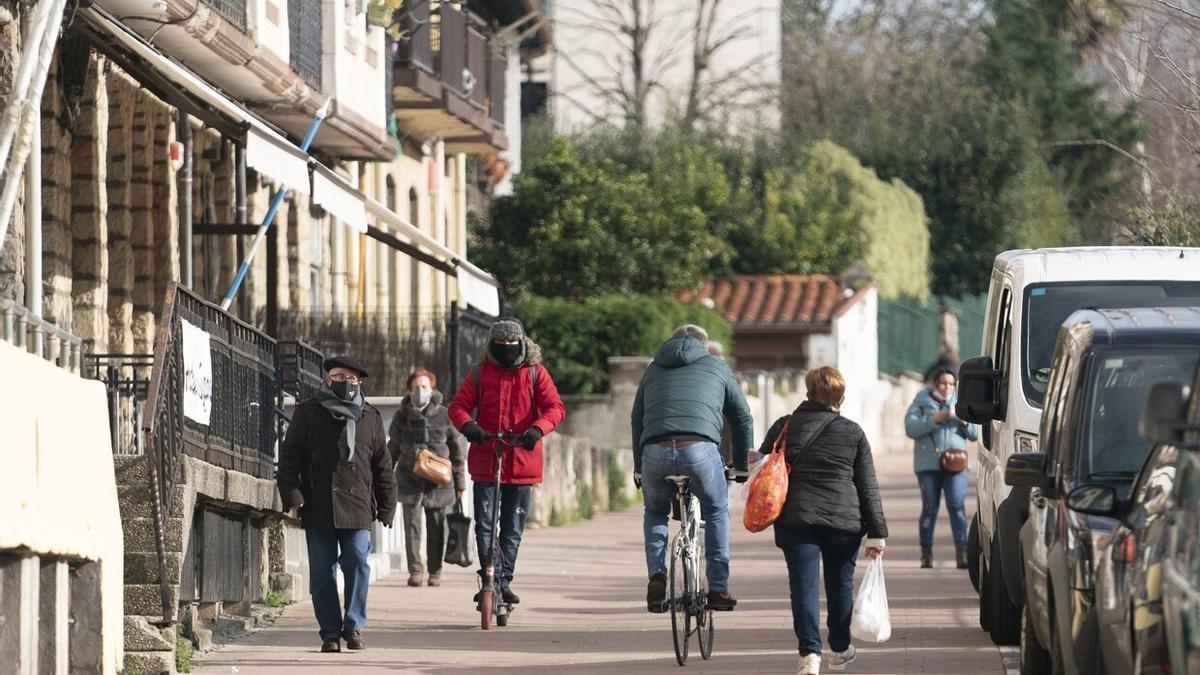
<point x="280" y="163"/>
<point x="334" y="195"/>
<point x="478" y="289"/>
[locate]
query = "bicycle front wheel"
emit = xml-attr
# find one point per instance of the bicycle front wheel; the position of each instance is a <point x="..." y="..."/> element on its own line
<point x="681" y="611"/>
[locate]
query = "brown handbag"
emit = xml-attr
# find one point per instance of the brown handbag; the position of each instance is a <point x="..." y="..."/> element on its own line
<point x="436" y="470"/>
<point x="953" y="461"/>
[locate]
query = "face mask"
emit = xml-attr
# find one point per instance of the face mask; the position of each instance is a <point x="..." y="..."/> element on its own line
<point x="507" y="355"/>
<point x="422" y="396"/>
<point x="345" y="390"/>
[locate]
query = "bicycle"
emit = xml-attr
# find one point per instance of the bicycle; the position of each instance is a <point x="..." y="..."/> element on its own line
<point x="687" y="577"/>
<point x="488" y="607"/>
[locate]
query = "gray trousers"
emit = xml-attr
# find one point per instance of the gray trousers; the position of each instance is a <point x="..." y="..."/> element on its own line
<point x="435" y="537"/>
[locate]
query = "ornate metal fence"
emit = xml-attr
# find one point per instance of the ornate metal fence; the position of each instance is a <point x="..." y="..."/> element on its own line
<point x="126" y="379"/>
<point x="469" y="332"/>
<point x="244" y="394"/>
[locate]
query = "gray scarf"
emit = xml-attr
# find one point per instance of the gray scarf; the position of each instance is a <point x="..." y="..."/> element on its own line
<point x="350" y="411"/>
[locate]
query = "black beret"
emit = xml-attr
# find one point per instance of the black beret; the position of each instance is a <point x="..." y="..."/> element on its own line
<point x="346" y="362"/>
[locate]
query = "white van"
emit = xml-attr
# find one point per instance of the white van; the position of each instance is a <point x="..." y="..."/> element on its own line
<point x="1030" y="295"/>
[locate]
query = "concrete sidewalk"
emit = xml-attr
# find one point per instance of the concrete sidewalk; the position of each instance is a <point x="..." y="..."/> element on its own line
<point x="582" y="590"/>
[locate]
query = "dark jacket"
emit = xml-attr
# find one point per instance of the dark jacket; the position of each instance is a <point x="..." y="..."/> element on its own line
<point x="688" y="392"/>
<point x="335" y="493"/>
<point x="503" y="399"/>
<point x="413" y="428"/>
<point x="832" y="482"/>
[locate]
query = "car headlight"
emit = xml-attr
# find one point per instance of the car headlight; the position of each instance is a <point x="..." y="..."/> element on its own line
<point x="1023" y="442"/>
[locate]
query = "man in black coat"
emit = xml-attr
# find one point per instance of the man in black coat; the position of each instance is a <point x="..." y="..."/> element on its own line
<point x="335" y="468"/>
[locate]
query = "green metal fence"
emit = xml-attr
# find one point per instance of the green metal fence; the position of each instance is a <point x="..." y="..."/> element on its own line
<point x="908" y="331"/>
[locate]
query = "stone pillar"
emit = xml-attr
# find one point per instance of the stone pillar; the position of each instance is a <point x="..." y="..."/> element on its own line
<point x="165" y="207"/>
<point x="56" y="204"/>
<point x="89" y="212"/>
<point x="142" y="227"/>
<point x="121" y="97"/>
<point x="624" y="376"/>
<point x="948" y="333"/>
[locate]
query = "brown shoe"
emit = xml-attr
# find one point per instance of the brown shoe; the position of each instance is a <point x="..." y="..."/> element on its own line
<point x="435" y="580"/>
<point x="926" y="557"/>
<point x="416" y="579"/>
<point x="721" y="601"/>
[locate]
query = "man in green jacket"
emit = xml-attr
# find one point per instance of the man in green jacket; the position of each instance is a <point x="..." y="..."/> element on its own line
<point x="682" y="403"/>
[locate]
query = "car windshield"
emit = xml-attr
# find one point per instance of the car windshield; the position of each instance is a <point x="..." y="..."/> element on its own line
<point x="1120" y="382"/>
<point x="1047" y="306"/>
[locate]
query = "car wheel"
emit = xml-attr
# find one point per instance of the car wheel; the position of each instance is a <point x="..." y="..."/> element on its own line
<point x="1003" y="616"/>
<point x="1035" y="660"/>
<point x="973" y="552"/>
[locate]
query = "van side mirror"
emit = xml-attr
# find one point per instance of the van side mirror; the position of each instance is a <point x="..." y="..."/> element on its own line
<point x="979" y="391"/>
<point x="1164" y="419"/>
<point x="1095" y="499"/>
<point x="1028" y="469"/>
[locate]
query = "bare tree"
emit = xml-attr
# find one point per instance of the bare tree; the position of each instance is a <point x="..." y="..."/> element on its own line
<point x="1153" y="57"/>
<point x="634" y="58"/>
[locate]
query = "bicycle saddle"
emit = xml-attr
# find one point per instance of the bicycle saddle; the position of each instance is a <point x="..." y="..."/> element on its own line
<point x="678" y="480"/>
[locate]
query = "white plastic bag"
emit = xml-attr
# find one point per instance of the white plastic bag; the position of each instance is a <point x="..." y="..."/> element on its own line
<point x="871" y="621"/>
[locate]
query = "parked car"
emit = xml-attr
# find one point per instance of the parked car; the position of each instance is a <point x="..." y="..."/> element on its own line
<point x="1031" y="293"/>
<point x="1104" y="365"/>
<point x="1148" y="573"/>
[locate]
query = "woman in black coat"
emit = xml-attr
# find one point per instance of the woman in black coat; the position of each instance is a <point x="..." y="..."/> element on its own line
<point x="422" y="422"/>
<point x="832" y="501"/>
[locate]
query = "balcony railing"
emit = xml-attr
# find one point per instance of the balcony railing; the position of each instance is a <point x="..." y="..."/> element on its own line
<point x="40" y="337"/>
<point x="126" y="379"/>
<point x="305" y="35"/>
<point x="451" y="45"/>
<point x="234" y="11"/>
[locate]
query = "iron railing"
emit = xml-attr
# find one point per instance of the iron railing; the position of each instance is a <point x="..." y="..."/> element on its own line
<point x="126" y="379"/>
<point x="388" y="344"/>
<point x="40" y="337"/>
<point x="469" y="334"/>
<point x="300" y="368"/>
<point x="305" y="40"/>
<point x="245" y="394"/>
<point x="234" y="11"/>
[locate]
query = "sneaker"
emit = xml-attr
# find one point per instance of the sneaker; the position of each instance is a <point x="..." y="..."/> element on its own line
<point x="656" y="593"/>
<point x="721" y="601"/>
<point x="810" y="664"/>
<point x="509" y="597"/>
<point x="329" y="646"/>
<point x="839" y="660"/>
<point x="435" y="580"/>
<point x="354" y="641"/>
<point x="416" y="579"/>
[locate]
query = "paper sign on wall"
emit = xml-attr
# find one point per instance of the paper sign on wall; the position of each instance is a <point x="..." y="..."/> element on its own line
<point x="197" y="374"/>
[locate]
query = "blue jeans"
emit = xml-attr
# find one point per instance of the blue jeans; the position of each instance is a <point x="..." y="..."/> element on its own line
<point x="933" y="483"/>
<point x="803" y="548"/>
<point x="323" y="561"/>
<point x="514" y="510"/>
<point x="703" y="463"/>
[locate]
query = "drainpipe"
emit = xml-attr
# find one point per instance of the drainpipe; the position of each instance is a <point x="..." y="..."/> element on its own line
<point x="439" y="207"/>
<point x="240" y="214"/>
<point x="184" y="130"/>
<point x="33" y="222"/>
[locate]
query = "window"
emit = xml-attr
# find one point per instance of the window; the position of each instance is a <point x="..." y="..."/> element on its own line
<point x="1120" y="381"/>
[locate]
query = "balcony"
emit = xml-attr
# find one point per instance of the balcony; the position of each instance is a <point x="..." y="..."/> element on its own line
<point x="449" y="79"/>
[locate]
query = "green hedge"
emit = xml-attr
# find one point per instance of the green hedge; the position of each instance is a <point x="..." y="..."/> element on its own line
<point x="578" y="337"/>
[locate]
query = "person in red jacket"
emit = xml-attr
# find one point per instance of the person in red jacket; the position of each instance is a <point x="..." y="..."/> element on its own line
<point x="510" y="390"/>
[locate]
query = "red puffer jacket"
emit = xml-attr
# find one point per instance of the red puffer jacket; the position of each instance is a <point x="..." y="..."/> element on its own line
<point x="504" y="398"/>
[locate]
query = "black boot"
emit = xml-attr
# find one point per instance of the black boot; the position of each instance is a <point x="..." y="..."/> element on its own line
<point x="926" y="557"/>
<point x="656" y="593"/>
<point x="960" y="557"/>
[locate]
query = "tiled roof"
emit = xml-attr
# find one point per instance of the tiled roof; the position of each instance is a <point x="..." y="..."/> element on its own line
<point x="776" y="300"/>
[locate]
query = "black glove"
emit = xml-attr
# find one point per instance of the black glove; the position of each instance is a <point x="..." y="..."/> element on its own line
<point x="736" y="475"/>
<point x="637" y="480"/>
<point x="530" y="438"/>
<point x="473" y="432"/>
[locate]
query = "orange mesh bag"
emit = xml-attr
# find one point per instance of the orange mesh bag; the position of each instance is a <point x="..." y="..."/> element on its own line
<point x="769" y="488"/>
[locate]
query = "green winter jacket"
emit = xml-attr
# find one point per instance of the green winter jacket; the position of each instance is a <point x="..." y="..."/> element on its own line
<point x="688" y="392"/>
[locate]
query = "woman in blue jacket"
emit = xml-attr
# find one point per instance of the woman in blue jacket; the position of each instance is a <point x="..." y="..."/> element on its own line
<point x="931" y="423"/>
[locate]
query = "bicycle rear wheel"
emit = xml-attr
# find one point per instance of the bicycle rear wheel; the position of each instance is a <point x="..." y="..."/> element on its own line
<point x="704" y="615"/>
<point x="681" y="612"/>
